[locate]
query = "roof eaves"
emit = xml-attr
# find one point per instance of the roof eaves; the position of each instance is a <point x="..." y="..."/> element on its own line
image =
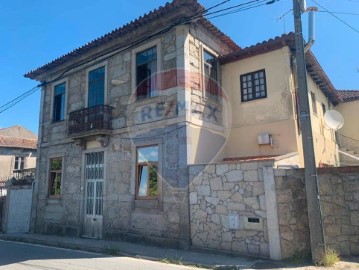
<point x="147" y="18"/>
<point x="259" y="48"/>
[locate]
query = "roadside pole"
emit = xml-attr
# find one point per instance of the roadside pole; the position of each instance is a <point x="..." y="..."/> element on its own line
<point x="311" y="177"/>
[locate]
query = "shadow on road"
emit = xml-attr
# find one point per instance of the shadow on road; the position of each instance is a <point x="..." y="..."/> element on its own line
<point x="14" y="252"/>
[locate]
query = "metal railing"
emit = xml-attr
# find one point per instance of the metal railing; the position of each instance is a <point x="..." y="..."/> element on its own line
<point x="93" y="118"/>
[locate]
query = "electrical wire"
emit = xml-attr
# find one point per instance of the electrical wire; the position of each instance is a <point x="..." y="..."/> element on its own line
<point x="253" y="4"/>
<point x="341" y="20"/>
<point x="18" y="99"/>
<point x="342" y="13"/>
<point x="108" y="54"/>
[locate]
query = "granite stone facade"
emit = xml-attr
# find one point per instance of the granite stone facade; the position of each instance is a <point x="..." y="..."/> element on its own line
<point x="159" y="120"/>
<point x="339" y="189"/>
<point x="228" y="207"/>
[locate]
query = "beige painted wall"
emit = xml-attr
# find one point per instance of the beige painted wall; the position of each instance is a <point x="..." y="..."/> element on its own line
<point x="273" y="115"/>
<point x="324" y="138"/>
<point x="350" y="112"/>
<point x="7" y="165"/>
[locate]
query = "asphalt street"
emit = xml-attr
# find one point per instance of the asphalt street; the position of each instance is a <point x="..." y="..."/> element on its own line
<point x="28" y="256"/>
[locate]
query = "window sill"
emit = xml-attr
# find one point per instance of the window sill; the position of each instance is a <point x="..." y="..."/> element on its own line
<point x="147" y="204"/>
<point x="57" y="123"/>
<point x="54" y="200"/>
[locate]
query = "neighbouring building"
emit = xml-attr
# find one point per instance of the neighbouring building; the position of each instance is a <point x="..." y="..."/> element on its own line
<point x="18" y="150"/>
<point x="129" y="121"/>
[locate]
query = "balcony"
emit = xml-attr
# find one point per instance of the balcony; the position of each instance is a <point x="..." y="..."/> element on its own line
<point x="91" y="121"/>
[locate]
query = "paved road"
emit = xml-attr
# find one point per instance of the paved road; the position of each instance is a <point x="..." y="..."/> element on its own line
<point x="27" y="256"/>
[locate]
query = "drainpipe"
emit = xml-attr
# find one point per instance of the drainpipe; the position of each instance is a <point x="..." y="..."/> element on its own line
<point x="311" y="28"/>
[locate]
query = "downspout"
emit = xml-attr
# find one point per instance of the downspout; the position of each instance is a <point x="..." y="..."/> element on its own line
<point x="311" y="28"/>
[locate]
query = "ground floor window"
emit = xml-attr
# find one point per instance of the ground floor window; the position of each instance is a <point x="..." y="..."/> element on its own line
<point x="55" y="177"/>
<point x="147" y="172"/>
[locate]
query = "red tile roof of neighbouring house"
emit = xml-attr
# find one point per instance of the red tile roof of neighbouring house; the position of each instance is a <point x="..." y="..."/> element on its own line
<point x="313" y="67"/>
<point x="13" y="142"/>
<point x="348" y="95"/>
<point x="169" y="8"/>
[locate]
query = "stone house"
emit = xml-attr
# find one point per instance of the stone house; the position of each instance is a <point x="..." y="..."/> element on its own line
<point x="124" y="118"/>
<point x="18" y="148"/>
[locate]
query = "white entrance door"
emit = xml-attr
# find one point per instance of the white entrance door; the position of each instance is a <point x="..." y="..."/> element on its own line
<point x="94" y="177"/>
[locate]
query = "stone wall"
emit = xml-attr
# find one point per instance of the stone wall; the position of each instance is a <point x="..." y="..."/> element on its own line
<point x="228" y="207"/>
<point x="292" y="212"/>
<point x="339" y="194"/>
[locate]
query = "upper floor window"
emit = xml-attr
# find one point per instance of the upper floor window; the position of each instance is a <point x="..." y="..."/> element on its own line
<point x="324" y="109"/>
<point x="147" y="177"/>
<point x="314" y="102"/>
<point x="19" y="163"/>
<point x="96" y="87"/>
<point x="210" y="66"/>
<point x="146" y="68"/>
<point x="59" y="102"/>
<point x="55" y="177"/>
<point x="253" y="86"/>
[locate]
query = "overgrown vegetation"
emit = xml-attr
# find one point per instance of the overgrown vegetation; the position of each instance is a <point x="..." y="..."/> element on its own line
<point x="178" y="261"/>
<point x="329" y="258"/>
<point x="299" y="258"/>
<point x="110" y="250"/>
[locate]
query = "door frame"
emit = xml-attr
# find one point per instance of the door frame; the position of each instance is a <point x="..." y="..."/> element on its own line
<point x="83" y="187"/>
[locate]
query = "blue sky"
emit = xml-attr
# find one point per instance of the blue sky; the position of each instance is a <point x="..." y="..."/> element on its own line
<point x="36" y="32"/>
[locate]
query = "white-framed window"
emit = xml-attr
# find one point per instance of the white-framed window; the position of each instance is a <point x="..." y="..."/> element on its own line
<point x="253" y="85"/>
<point x="55" y="177"/>
<point x="146" y="73"/>
<point x="145" y="66"/>
<point x="314" y="102"/>
<point x="210" y="72"/>
<point x="19" y="163"/>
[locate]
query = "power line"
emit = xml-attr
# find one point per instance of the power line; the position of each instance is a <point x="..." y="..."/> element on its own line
<point x="331" y="13"/>
<point x="342" y="13"/>
<point x="182" y="20"/>
<point x="251" y="5"/>
<point x="18" y="99"/>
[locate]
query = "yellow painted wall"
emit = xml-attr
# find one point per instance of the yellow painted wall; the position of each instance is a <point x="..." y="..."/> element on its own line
<point x="324" y="138"/>
<point x="273" y="114"/>
<point x="350" y="112"/>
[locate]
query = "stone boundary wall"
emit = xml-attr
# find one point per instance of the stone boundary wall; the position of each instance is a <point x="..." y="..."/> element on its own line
<point x="228" y="207"/>
<point x="339" y="194"/>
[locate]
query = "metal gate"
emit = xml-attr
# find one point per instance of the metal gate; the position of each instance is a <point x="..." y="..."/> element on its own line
<point x="2" y="208"/>
<point x="94" y="178"/>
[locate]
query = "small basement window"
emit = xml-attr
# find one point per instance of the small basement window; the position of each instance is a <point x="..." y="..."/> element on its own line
<point x="253" y="220"/>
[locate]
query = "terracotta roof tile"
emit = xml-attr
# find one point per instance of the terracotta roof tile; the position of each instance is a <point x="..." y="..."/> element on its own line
<point x="12" y="142"/>
<point x="313" y="67"/>
<point x="348" y="95"/>
<point x="169" y="8"/>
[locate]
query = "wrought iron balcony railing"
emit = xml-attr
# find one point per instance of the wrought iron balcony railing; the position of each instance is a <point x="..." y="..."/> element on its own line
<point x="90" y="119"/>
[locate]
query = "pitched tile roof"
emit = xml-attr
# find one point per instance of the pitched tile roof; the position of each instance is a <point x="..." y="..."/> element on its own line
<point x="313" y="67"/>
<point x="153" y="16"/>
<point x="13" y="142"/>
<point x="18" y="132"/>
<point x="348" y="95"/>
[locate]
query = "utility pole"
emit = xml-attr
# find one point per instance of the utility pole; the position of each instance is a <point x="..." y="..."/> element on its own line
<point x="311" y="177"/>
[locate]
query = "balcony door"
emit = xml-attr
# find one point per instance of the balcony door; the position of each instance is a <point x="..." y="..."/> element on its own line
<point x="96" y="87"/>
<point x="94" y="179"/>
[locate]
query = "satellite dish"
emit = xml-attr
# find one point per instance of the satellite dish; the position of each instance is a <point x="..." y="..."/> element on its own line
<point x="333" y="120"/>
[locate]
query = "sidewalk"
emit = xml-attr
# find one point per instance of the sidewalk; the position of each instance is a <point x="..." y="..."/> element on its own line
<point x="141" y="251"/>
<point x="116" y="248"/>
